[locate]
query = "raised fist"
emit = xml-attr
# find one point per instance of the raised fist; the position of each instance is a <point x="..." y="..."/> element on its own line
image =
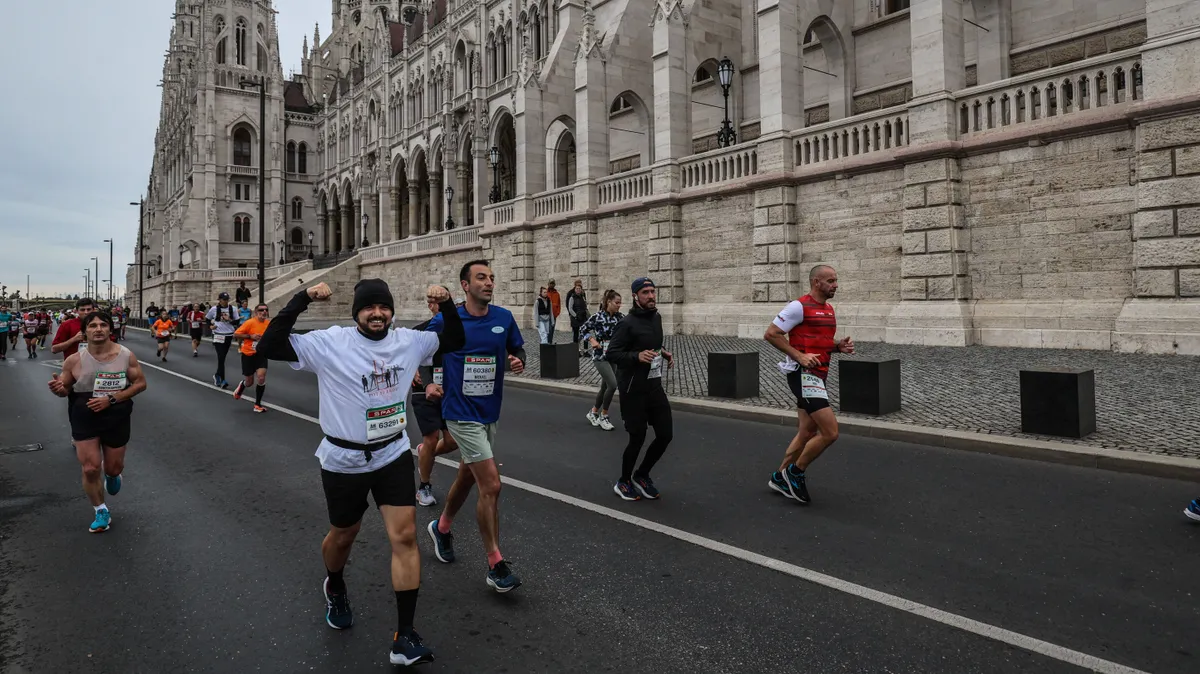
<point x="437" y="293"/>
<point x="320" y="292"/>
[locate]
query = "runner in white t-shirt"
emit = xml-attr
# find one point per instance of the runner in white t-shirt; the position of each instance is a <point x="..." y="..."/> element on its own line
<point x="364" y="375"/>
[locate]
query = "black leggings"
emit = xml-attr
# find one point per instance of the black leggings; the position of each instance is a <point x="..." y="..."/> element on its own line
<point x="640" y="410"/>
<point x="4" y="344"/>
<point x="222" y="351"/>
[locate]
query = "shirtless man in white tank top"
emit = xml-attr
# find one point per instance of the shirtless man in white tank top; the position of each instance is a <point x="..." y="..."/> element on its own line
<point x="104" y="378"/>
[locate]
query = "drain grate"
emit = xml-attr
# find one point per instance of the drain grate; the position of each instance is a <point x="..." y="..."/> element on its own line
<point x="21" y="448"/>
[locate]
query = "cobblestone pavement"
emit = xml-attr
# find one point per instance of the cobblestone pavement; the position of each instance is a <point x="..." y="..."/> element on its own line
<point x="1143" y="403"/>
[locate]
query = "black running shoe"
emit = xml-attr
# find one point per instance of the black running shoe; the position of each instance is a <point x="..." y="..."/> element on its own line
<point x="501" y="579"/>
<point x="443" y="544"/>
<point x="337" y="608"/>
<point x="795" y="483"/>
<point x="408" y="650"/>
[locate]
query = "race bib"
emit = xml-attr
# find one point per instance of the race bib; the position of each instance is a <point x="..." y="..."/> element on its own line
<point x="437" y="376"/>
<point x="253" y="345"/>
<point x="164" y="333"/>
<point x="220" y="339"/>
<point x="604" y="348"/>
<point x="384" y="422"/>
<point x="479" y="375"/>
<point x="812" y="386"/>
<point x="195" y="325"/>
<point x="656" y="367"/>
<point x="108" y="382"/>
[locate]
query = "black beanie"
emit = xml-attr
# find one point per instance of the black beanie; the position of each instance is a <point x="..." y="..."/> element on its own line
<point x="371" y="291"/>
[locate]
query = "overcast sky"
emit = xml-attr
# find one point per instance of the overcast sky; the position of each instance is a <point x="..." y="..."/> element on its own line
<point x="81" y="102"/>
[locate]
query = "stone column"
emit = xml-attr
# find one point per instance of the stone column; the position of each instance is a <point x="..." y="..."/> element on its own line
<point x="323" y="228"/>
<point x="531" y="142"/>
<point x="523" y="285"/>
<point x="347" y="227"/>
<point x="995" y="42"/>
<point x="1170" y="51"/>
<point x="665" y="254"/>
<point x="591" y="121"/>
<point x="938" y="69"/>
<point x="585" y="255"/>
<point x="371" y="207"/>
<point x="776" y="272"/>
<point x="413" y="226"/>
<point x="672" y="93"/>
<point x="436" y="199"/>
<point x="780" y="67"/>
<point x="394" y="214"/>
<point x="461" y="203"/>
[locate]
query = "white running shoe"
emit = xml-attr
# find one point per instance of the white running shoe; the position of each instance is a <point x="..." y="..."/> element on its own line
<point x="425" y="496"/>
<point x="593" y="418"/>
<point x="604" y="423"/>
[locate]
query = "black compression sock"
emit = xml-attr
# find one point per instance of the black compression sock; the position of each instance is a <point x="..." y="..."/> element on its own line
<point x="337" y="584"/>
<point x="406" y="609"/>
<point x="258" y="394"/>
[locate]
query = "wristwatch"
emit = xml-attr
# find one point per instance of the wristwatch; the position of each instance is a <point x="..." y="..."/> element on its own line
<point x="112" y="399"/>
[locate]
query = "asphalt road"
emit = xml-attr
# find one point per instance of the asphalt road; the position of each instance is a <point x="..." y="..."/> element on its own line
<point x="213" y="565"/>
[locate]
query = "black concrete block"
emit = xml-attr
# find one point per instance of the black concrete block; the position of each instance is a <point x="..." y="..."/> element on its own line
<point x="869" y="385"/>
<point x="560" y="361"/>
<point x="1058" y="401"/>
<point x="733" y="374"/>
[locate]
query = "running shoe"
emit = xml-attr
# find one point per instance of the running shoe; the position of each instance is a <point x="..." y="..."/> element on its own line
<point x="779" y="484"/>
<point x="501" y="579"/>
<point x="796" y="485"/>
<point x="443" y="544"/>
<point x="605" y="424"/>
<point x="164" y="359"/>
<point x="337" y="608"/>
<point x="1193" y="510"/>
<point x="425" y="495"/>
<point x="408" y="650"/>
<point x="224" y="383"/>
<point x="216" y="381"/>
<point x="112" y="483"/>
<point x="237" y="392"/>
<point x="259" y="409"/>
<point x="625" y="490"/>
<point x="102" y="522"/>
<point x="593" y="418"/>
<point x="645" y="487"/>
<point x="195" y="354"/>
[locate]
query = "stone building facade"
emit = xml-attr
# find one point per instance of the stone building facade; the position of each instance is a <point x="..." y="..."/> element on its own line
<point x="1002" y="172"/>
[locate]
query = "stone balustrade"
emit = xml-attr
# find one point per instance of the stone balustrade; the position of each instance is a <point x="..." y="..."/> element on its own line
<point x="501" y="85"/>
<point x="1104" y="81"/>
<point x="455" y="239"/>
<point x="863" y="134"/>
<point x="554" y="202"/>
<point x="628" y="186"/>
<point x="502" y="213"/>
<point x="719" y="166"/>
<point x="241" y="170"/>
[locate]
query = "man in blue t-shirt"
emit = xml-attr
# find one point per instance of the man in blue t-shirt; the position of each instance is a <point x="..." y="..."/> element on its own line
<point x="5" y="321"/>
<point x="473" y="385"/>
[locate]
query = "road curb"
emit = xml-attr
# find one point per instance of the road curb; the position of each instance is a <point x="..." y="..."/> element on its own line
<point x="1048" y="451"/>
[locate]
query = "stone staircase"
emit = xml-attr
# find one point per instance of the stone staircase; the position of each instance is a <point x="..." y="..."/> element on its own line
<point x="341" y="279"/>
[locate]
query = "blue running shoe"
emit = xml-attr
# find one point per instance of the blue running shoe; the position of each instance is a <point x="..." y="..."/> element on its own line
<point x="443" y="544"/>
<point x="337" y="608"/>
<point x="1193" y="510"/>
<point x="626" y="491"/>
<point x="408" y="650"/>
<point x="645" y="487"/>
<point x="112" y="483"/>
<point x="501" y="579"/>
<point x="796" y="486"/>
<point x="102" y="522"/>
<point x="779" y="484"/>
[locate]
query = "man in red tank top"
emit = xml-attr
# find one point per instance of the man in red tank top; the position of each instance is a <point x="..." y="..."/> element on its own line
<point x="804" y="331"/>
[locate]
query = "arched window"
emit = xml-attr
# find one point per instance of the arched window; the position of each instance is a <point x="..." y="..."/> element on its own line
<point x="383" y="15"/>
<point x="221" y="51"/>
<point x="239" y="41"/>
<point x="702" y="76"/>
<point x="261" y="30"/>
<point x="262" y="59"/>
<point x="297" y="236"/>
<point x="894" y="6"/>
<point x="290" y="160"/>
<point x="302" y="158"/>
<point x="298" y="209"/>
<point x="220" y="25"/>
<point x="621" y="104"/>
<point x="241" y="229"/>
<point x="241" y="147"/>
<point x="536" y="27"/>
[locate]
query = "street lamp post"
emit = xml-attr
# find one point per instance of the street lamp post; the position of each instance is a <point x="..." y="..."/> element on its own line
<point x="494" y="162"/>
<point x="87" y="283"/>
<point x="96" y="281"/>
<point x="110" y="269"/>
<point x="449" y="206"/>
<point x="262" y="193"/>
<point x="365" y="219"/>
<point x="310" y="244"/>
<point x="181" y="249"/>
<point x="281" y="262"/>
<point x="141" y="226"/>
<point x="726" y="136"/>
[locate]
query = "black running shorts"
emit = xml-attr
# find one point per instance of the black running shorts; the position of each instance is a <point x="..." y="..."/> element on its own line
<point x="111" y="427"/>
<point x="251" y="364"/>
<point x="428" y="414"/>
<point x="162" y="340"/>
<point x="809" y="405"/>
<point x="197" y="334"/>
<point x="346" y="493"/>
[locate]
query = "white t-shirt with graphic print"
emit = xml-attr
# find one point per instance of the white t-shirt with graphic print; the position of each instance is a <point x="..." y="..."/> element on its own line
<point x="364" y="387"/>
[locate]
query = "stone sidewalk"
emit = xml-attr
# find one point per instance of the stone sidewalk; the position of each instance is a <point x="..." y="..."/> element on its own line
<point x="1143" y="403"/>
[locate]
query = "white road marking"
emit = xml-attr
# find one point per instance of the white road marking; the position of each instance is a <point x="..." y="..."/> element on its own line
<point x="937" y="615"/>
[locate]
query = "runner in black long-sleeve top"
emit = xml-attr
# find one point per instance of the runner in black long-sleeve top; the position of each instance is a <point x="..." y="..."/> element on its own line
<point x="363" y="376"/>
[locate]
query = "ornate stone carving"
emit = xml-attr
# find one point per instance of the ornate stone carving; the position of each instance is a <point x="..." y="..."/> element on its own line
<point x="589" y="40"/>
<point x="669" y="10"/>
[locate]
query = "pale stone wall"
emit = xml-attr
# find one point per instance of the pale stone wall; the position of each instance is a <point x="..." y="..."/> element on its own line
<point x="718" y="246"/>
<point x="1035" y="21"/>
<point x="883" y="55"/>
<point x="623" y="250"/>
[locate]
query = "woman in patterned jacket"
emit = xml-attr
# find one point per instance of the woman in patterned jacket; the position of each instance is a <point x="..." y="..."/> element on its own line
<point x="597" y="331"/>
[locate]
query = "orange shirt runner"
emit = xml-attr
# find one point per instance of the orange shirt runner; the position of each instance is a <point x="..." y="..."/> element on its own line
<point x="162" y="328"/>
<point x="253" y="327"/>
